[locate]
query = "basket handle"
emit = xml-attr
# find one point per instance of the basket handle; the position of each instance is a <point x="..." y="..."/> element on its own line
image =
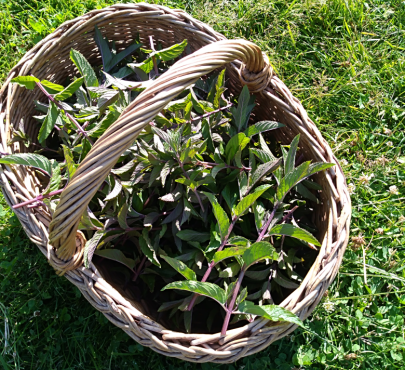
<point x="63" y="236"/>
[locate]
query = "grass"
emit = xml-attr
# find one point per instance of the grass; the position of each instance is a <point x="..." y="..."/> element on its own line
<point x="344" y="59"/>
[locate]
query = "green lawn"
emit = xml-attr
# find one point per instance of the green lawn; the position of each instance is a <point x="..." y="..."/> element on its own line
<point x="345" y="60"/>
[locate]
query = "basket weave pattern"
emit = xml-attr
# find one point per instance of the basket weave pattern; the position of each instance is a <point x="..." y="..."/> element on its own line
<point x="56" y="236"/>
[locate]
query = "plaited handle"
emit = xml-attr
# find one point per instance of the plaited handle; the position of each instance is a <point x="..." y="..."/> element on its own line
<point x="98" y="163"/>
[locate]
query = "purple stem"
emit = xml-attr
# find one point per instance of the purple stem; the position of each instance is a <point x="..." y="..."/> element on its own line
<point x="45" y="148"/>
<point x="267" y="224"/>
<point x="68" y="115"/>
<point x="212" y="164"/>
<point x="242" y="273"/>
<point x="38" y="198"/>
<point x="212" y="264"/>
<point x="211" y="113"/>
<point x="197" y="118"/>
<point x="131" y="229"/>
<point x="149" y="198"/>
<point x="232" y="303"/>
<point x="287" y="216"/>
<point x="138" y="270"/>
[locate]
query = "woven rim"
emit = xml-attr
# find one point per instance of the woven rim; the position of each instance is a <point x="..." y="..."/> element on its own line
<point x="120" y="22"/>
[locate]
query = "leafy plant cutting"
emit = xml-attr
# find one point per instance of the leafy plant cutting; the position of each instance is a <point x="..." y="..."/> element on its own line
<point x="206" y="216"/>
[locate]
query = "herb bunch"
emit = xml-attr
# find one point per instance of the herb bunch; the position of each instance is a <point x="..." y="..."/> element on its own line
<point x="205" y="206"/>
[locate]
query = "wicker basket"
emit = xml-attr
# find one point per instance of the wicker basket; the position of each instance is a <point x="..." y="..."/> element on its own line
<point x="58" y="238"/>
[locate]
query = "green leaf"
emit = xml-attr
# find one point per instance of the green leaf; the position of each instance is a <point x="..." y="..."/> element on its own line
<point x="294" y="232"/>
<point x="82" y="98"/>
<point x="270" y="312"/>
<point x="297" y="175"/>
<point x="180" y="267"/>
<point x="239" y="241"/>
<point x="104" y="124"/>
<point x="177" y="211"/>
<point x="85" y="69"/>
<point x="115" y="191"/>
<point x="154" y="175"/>
<point x="230" y="194"/>
<point x="316" y="167"/>
<point x="237" y="142"/>
<point x="302" y="190"/>
<point x="216" y="169"/>
<point x="125" y="72"/>
<point x="91" y="246"/>
<point x="51" y="87"/>
<point x="103" y="47"/>
<point x="292" y="179"/>
<point x="28" y="159"/>
<point x="116" y="255"/>
<point x="147" y="248"/>
<point x="187" y="316"/>
<point x="28" y="82"/>
<point x="71" y="165"/>
<point x="283" y="281"/>
<point x="106" y="99"/>
<point x="258" y="275"/>
<point x="166" y="169"/>
<point x="122" y="216"/>
<point x="70" y="90"/>
<point x="89" y="221"/>
<point x="289" y="164"/>
<point x="191" y="235"/>
<point x="261" y="171"/>
<point x="242" y="112"/>
<point x="146" y="66"/>
<point x="257" y="252"/>
<point x="169" y="305"/>
<point x="263" y="155"/>
<point x="206" y="289"/>
<point x="120" y="56"/>
<point x="56" y="178"/>
<point x="262" y="126"/>
<point x="241" y="297"/>
<point x="247" y="201"/>
<point x="219" y="88"/>
<point x="231" y="271"/>
<point x="49" y="122"/>
<point x="311" y="185"/>
<point x="228" y="253"/>
<point x="171" y="52"/>
<point x="220" y="215"/>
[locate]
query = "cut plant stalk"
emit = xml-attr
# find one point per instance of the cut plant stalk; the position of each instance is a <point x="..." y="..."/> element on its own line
<point x="38" y="198"/>
<point x="212" y="263"/>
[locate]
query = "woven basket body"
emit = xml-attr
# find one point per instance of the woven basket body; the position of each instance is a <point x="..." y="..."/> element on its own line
<point x="50" y="60"/>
